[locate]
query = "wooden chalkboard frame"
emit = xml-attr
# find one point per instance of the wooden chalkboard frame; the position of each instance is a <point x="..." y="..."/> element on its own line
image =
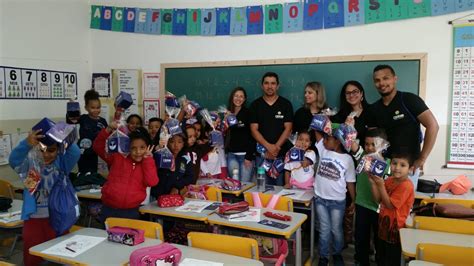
<point x="421" y="57"/>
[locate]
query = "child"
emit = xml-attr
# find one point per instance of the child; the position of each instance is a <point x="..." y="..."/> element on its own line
<point x="195" y="151"/>
<point x="366" y="219"/>
<point x="129" y="176"/>
<point x="90" y="125"/>
<point x="335" y="173"/>
<point x="134" y="121"/>
<point x="396" y="196"/>
<point x="301" y="174"/>
<point x="180" y="175"/>
<point x="35" y="214"/>
<point x="154" y="126"/>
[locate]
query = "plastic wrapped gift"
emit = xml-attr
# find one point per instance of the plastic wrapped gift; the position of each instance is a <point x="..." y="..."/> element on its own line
<point x="163" y="158"/>
<point x="231" y="120"/>
<point x="118" y="142"/>
<point x="30" y="170"/>
<point x="73" y="111"/>
<point x="372" y="165"/>
<point x="346" y="134"/>
<point x="321" y="123"/>
<point x="261" y="149"/>
<point x="123" y="100"/>
<point x="276" y="169"/>
<point x="216" y="139"/>
<point x="171" y="100"/>
<point x="267" y="165"/>
<point x="63" y="134"/>
<point x="45" y="125"/>
<point x="294" y="155"/>
<point x="173" y="127"/>
<point x="190" y="107"/>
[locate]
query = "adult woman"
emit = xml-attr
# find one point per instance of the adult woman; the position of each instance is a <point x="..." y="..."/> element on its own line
<point x="314" y="102"/>
<point x="240" y="145"/>
<point x="352" y="100"/>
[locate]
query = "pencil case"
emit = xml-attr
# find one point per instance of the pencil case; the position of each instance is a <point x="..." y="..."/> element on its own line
<point x="125" y="235"/>
<point x="162" y="254"/>
<point x="227" y="209"/>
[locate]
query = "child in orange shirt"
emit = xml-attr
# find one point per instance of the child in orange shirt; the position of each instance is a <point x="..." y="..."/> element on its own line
<point x="396" y="195"/>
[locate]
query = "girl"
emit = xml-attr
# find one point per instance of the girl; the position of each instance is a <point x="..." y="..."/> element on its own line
<point x="89" y="126"/>
<point x="195" y="151"/>
<point x="35" y="214"/>
<point x="180" y="175"/>
<point x="314" y="103"/>
<point x="240" y="145"/>
<point x="154" y="126"/>
<point x="301" y="174"/>
<point x="134" y="121"/>
<point x="129" y="176"/>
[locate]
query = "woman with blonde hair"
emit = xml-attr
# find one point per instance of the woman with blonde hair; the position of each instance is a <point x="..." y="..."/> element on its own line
<point x="314" y="103"/>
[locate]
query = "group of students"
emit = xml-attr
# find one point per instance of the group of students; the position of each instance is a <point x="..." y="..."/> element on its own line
<point x="327" y="167"/>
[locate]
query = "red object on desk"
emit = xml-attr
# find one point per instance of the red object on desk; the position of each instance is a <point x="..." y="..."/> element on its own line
<point x="278" y="216"/>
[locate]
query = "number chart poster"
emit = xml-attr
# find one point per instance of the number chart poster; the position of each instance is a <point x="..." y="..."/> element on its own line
<point x="461" y="144"/>
<point x="25" y="83"/>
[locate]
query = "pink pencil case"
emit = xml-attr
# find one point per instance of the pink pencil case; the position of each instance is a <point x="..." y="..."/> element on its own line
<point x="126" y="235"/>
<point x="156" y="255"/>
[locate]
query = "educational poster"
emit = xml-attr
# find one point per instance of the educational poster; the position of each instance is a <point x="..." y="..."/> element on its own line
<point x="5" y="148"/>
<point x="101" y="83"/>
<point x="151" y="85"/>
<point x="25" y="83"/>
<point x="130" y="81"/>
<point x="461" y="147"/>
<point x="151" y="108"/>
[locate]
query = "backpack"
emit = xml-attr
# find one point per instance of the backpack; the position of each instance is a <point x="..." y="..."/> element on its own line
<point x="63" y="205"/>
<point x="270" y="248"/>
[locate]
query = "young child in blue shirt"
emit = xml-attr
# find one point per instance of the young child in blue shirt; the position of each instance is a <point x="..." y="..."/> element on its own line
<point x="35" y="212"/>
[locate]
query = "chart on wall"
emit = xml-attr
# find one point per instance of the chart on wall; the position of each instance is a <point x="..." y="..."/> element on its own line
<point x="461" y="141"/>
<point x="25" y="83"/>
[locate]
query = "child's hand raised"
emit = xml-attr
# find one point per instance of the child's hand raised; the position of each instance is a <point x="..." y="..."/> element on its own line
<point x="34" y="137"/>
<point x="149" y="151"/>
<point x="112" y="126"/>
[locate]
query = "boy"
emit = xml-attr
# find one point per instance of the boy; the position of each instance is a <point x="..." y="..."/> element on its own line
<point x="53" y="166"/>
<point x="396" y="196"/>
<point x="335" y="173"/>
<point x="366" y="219"/>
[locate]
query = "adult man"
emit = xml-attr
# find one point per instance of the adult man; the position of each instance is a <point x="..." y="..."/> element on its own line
<point x="400" y="114"/>
<point x="271" y="121"/>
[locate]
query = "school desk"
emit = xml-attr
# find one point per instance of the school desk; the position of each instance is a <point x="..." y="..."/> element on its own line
<point x="13" y="227"/>
<point x="304" y="202"/>
<point x="152" y="208"/>
<point x="14" y="180"/>
<point x="469" y="195"/>
<point x="410" y="238"/>
<point x="87" y="194"/>
<point x="422" y="263"/>
<point x="109" y="253"/>
<point x="294" y="227"/>
<point x="211" y="181"/>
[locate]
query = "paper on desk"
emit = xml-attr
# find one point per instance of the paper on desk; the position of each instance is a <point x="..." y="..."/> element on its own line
<point x="294" y="193"/>
<point x="193" y="206"/>
<point x="74" y="246"/>
<point x="11" y="217"/>
<point x="252" y="215"/>
<point x="196" y="262"/>
<point x="9" y="214"/>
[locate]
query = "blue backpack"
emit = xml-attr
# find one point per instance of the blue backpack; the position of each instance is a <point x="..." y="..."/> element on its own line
<point x="63" y="205"/>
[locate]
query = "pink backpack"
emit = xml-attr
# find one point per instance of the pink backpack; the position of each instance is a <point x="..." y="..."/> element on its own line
<point x="149" y="256"/>
<point x="271" y="250"/>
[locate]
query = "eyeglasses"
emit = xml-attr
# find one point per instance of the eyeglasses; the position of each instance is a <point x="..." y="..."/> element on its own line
<point x="354" y="92"/>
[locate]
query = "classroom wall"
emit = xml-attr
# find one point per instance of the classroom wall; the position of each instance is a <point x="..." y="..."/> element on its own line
<point x="54" y="34"/>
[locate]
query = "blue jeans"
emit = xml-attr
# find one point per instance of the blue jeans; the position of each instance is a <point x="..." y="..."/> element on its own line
<point x="330" y="215"/>
<point x="279" y="181"/>
<point x="237" y="161"/>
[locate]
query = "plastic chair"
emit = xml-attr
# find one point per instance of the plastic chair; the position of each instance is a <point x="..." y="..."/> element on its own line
<point x="283" y="204"/>
<point x="6" y="189"/>
<point x="152" y="230"/>
<point x="232" y="245"/>
<point x="463" y="202"/>
<point x="449" y="225"/>
<point x="213" y="193"/>
<point x="445" y="254"/>
<point x="74" y="228"/>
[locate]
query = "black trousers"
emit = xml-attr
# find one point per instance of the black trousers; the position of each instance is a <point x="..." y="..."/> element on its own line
<point x="366" y="224"/>
<point x="390" y="254"/>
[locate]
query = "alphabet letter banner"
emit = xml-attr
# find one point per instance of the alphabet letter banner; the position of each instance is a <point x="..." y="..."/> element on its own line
<point x="223" y="16"/>
<point x="238" y="21"/>
<point x="313" y="15"/>
<point x="273" y="18"/>
<point x="354" y="12"/>
<point x="333" y="14"/>
<point x="255" y="20"/>
<point x="293" y="17"/>
<point x="208" y="21"/>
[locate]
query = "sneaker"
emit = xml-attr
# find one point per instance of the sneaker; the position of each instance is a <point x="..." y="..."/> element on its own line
<point x="338" y="260"/>
<point x="323" y="261"/>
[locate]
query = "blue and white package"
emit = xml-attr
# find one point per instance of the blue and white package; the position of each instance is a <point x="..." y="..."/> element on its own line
<point x="123" y="100"/>
<point x="216" y="139"/>
<point x="321" y="123"/>
<point x="163" y="158"/>
<point x="231" y="120"/>
<point x="294" y="155"/>
<point x="173" y="127"/>
<point x="118" y="142"/>
<point x="372" y="165"/>
<point x="64" y="134"/>
<point x="261" y="149"/>
<point x="45" y="125"/>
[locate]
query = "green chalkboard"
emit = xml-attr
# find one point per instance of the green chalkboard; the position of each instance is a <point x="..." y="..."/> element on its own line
<point x="210" y="86"/>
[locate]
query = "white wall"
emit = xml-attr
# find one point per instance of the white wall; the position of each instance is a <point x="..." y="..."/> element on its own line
<point x="54" y="34"/>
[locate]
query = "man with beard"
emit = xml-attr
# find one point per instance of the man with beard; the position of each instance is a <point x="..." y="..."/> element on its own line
<point x="400" y="114"/>
<point x="271" y="121"/>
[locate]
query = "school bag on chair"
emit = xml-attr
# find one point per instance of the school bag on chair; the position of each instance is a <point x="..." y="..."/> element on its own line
<point x="271" y="250"/>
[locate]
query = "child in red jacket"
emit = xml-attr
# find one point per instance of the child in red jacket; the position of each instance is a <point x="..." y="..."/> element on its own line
<point x="128" y="176"/>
